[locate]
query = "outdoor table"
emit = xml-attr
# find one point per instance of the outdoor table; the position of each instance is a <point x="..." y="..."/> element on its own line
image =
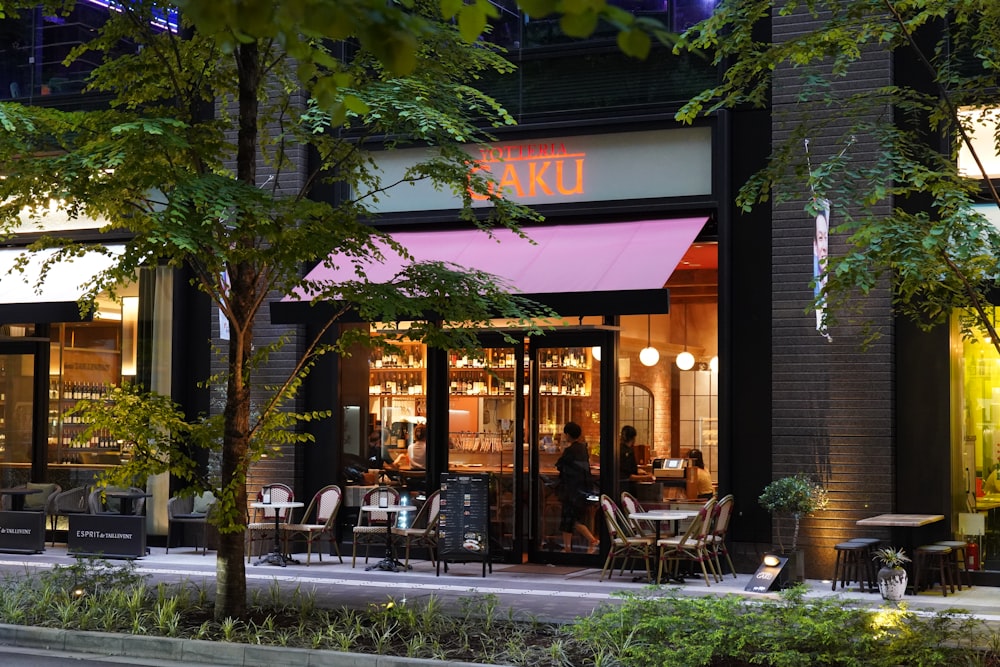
<point x="389" y="562"/>
<point x="21" y="531"/>
<point x="17" y="494"/>
<point x="658" y="517"/>
<point x="127" y="498"/>
<point x="904" y="527"/>
<point x="276" y="557"/>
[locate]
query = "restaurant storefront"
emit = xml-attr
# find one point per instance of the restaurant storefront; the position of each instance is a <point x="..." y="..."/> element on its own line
<point x="52" y="356"/>
<point x="621" y="283"/>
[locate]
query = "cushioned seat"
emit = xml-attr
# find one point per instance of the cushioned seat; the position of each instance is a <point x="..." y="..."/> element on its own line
<point x="65" y="503"/>
<point x="191" y="510"/>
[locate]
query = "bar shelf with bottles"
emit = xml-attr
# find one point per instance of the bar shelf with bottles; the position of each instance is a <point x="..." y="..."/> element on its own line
<point x="397" y="372"/>
<point x="64" y="428"/>
<point x="564" y="371"/>
<point x="493" y="374"/>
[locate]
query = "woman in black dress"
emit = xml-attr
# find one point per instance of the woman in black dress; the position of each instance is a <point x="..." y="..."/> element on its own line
<point x="575" y="484"/>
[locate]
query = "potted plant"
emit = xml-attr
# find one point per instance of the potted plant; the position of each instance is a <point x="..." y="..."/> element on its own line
<point x="892" y="576"/>
<point x="795" y="497"/>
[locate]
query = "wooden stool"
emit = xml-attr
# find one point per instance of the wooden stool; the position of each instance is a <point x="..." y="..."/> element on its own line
<point x="958" y="549"/>
<point x="870" y="543"/>
<point x="931" y="556"/>
<point x="849" y="567"/>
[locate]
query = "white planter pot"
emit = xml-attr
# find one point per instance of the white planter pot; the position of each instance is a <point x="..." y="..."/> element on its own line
<point x="892" y="583"/>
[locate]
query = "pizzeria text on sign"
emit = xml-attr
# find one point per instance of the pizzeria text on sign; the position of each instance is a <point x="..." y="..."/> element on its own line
<point x="531" y="170"/>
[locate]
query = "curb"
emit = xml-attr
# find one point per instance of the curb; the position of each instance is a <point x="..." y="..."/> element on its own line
<point x="185" y="651"/>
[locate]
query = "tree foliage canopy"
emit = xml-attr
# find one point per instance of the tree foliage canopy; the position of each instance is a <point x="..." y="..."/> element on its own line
<point x="908" y="214"/>
<point x="197" y="162"/>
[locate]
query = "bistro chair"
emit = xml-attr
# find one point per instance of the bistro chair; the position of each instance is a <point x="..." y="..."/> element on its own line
<point x="630" y="505"/>
<point x="319" y="522"/>
<point x="423" y="531"/>
<point x="192" y="511"/>
<point x="260" y="527"/>
<point x="625" y="544"/>
<point x="721" y="516"/>
<point x="65" y="503"/>
<point x="692" y="546"/>
<point x="373" y="527"/>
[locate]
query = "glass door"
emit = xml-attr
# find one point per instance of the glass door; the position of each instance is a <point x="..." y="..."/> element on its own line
<point x="17" y="409"/>
<point x="564" y="520"/>
<point x="486" y="434"/>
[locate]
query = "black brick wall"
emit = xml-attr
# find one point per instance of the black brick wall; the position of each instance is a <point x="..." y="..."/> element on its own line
<point x="832" y="403"/>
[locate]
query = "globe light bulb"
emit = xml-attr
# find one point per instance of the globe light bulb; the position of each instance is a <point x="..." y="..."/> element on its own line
<point x="685" y="361"/>
<point x="596" y="352"/>
<point x="713" y="364"/>
<point x="648" y="356"/>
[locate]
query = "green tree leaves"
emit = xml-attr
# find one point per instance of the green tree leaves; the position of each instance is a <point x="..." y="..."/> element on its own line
<point x="907" y="213"/>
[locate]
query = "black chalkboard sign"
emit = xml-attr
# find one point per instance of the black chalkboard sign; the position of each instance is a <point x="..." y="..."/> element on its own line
<point x="464" y="519"/>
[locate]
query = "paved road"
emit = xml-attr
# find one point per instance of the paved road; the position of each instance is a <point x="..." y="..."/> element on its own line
<point x="23" y="657"/>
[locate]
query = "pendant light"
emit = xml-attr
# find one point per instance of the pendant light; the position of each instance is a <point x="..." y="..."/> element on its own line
<point x="685" y="360"/>
<point x="649" y="355"/>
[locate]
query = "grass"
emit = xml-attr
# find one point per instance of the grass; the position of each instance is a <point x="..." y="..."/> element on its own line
<point x="655" y="628"/>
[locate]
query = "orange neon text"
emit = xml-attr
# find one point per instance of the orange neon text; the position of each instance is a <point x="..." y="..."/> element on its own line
<point x="530" y="170"/>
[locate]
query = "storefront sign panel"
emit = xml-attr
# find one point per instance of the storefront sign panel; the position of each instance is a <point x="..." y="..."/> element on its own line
<point x="561" y="170"/>
<point x="22" y="531"/>
<point x="111" y="535"/>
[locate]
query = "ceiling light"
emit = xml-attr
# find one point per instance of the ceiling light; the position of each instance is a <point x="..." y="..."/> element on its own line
<point x="649" y="355"/>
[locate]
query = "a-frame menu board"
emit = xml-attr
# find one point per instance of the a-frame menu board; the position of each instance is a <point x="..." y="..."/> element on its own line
<point x="464" y="519"/>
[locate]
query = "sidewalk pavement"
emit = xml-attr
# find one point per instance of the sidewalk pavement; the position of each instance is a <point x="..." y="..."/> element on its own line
<point x="544" y="593"/>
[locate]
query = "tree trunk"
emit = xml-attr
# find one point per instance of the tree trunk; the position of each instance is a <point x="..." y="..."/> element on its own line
<point x="231" y="584"/>
<point x="230" y="577"/>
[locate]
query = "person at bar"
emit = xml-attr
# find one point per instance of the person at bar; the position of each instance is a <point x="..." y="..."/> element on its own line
<point x="628" y="467"/>
<point x="575" y="484"/>
<point x="417" y="451"/>
<point x="704" y="489"/>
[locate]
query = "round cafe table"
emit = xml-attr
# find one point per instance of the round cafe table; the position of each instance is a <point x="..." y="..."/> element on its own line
<point x="389" y="563"/>
<point x="659" y="516"/>
<point x="276" y="557"/>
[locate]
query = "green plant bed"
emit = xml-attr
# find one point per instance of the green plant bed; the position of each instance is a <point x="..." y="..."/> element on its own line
<point x="655" y="628"/>
<point x="732" y="631"/>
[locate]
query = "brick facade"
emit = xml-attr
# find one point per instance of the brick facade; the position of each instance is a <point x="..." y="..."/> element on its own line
<point x="832" y="403"/>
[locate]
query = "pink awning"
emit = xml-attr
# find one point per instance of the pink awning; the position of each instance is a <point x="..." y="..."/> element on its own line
<point x="603" y="257"/>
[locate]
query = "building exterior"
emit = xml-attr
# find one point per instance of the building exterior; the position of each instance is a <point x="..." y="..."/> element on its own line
<point x="642" y="247"/>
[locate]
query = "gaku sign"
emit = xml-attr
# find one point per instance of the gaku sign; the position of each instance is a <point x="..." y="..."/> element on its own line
<point x="563" y="170"/>
<point x="527" y="171"/>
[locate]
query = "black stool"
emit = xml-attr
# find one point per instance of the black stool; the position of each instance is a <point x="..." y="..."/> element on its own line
<point x="939" y="557"/>
<point x="958" y="550"/>
<point x="849" y="567"/>
<point x="870" y="543"/>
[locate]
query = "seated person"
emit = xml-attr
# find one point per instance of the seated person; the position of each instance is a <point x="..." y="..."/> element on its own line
<point x="417" y="450"/>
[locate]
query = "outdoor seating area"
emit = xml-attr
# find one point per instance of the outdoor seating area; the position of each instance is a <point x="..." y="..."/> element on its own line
<point x="697" y="537"/>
